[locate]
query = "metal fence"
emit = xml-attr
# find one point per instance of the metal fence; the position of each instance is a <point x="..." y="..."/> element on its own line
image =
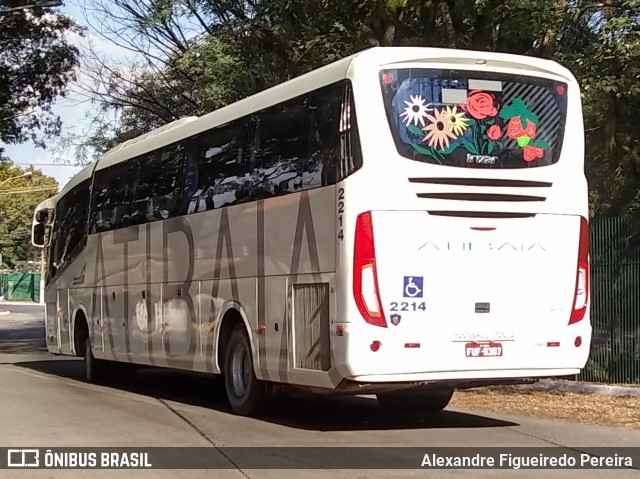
<point x="20" y="286"/>
<point x="615" y="301"/>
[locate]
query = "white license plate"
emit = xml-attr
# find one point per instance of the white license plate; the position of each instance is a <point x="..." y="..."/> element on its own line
<point x="483" y="350"/>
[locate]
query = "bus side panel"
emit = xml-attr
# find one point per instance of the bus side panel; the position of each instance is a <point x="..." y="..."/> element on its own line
<point x="51" y="320"/>
<point x="299" y="241"/>
<point x="64" y="322"/>
<point x="146" y="330"/>
<point x="114" y="322"/>
<point x="221" y="250"/>
<point x="140" y="320"/>
<point x="275" y="317"/>
<point x="212" y="300"/>
<point x="295" y="346"/>
<point x="79" y="298"/>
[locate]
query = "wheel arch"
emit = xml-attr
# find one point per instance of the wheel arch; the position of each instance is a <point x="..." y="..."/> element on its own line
<point x="231" y="314"/>
<point x="77" y="339"/>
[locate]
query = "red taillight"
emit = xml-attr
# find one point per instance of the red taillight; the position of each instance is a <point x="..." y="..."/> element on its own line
<point x="581" y="295"/>
<point x="365" y="276"/>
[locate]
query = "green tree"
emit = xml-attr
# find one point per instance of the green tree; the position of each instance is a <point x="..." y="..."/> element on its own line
<point x="18" y="199"/>
<point x="36" y="64"/>
<point x="603" y="47"/>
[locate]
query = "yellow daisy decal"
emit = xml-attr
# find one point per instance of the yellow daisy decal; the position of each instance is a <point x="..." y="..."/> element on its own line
<point x="457" y="120"/>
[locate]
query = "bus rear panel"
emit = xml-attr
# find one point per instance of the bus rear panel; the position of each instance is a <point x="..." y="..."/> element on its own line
<point x="467" y="255"/>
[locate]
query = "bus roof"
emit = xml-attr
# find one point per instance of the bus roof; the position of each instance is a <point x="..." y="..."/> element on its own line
<point x="84" y="174"/>
<point x="371" y="58"/>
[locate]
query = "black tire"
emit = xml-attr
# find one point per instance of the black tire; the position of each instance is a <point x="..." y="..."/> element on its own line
<point x="416" y="401"/>
<point x="95" y="369"/>
<point x="246" y="394"/>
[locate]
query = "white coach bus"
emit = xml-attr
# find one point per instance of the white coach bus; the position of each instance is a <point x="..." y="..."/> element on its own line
<point x="402" y="222"/>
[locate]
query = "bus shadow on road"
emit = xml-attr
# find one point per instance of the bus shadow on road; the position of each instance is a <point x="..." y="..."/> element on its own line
<point x="330" y="413"/>
<point x="27" y="339"/>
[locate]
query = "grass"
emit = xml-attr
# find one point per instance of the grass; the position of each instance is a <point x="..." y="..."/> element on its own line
<point x="587" y="408"/>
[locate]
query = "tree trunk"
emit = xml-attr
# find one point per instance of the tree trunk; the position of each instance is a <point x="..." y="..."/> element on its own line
<point x="447" y="23"/>
<point x="383" y="32"/>
<point x="428" y="15"/>
<point x="482" y="37"/>
<point x="550" y="35"/>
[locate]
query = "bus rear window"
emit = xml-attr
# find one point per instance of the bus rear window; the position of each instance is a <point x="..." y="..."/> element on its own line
<point x="477" y="120"/>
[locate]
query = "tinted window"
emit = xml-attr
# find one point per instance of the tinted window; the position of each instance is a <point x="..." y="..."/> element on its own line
<point x="323" y="136"/>
<point x="473" y="119"/>
<point x="156" y="190"/>
<point x="113" y="197"/>
<point x="220" y="170"/>
<point x="274" y="165"/>
<point x="350" y="151"/>
<point x="304" y="143"/>
<point x="69" y="228"/>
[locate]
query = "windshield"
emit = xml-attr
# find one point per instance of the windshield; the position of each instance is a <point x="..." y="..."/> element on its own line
<point x="471" y="119"/>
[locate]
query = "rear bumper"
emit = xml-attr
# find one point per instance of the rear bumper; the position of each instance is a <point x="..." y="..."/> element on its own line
<point x="464" y="376"/>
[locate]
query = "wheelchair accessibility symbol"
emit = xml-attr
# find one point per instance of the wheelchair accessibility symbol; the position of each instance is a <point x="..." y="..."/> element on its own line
<point x="412" y="287"/>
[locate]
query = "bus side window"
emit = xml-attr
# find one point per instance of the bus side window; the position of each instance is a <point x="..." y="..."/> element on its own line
<point x="220" y="168"/>
<point x="323" y="142"/>
<point x="69" y="227"/>
<point x="279" y="151"/>
<point x="113" y="197"/>
<point x="188" y="195"/>
<point x="156" y="191"/>
<point x="350" y="152"/>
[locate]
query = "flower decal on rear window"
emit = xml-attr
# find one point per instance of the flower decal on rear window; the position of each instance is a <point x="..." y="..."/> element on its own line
<point x="522" y="127"/>
<point x="439" y="130"/>
<point x="415" y="112"/>
<point x="481" y="112"/>
<point x="475" y="119"/>
<point x="480" y="105"/>
<point x="457" y="120"/>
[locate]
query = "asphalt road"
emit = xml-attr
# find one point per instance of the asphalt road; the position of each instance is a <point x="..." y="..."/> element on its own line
<point x="44" y="402"/>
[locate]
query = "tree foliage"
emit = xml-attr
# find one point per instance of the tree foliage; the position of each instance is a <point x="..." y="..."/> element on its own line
<point x="36" y="64"/>
<point x="18" y="198"/>
<point x="193" y="56"/>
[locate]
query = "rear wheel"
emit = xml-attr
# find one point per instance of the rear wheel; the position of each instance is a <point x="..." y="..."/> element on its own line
<point x="95" y="369"/>
<point x="424" y="401"/>
<point x="245" y="392"/>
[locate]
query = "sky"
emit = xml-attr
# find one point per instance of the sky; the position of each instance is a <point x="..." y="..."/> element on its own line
<point x="71" y="111"/>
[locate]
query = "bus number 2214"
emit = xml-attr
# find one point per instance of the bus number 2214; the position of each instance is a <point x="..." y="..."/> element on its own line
<point x="340" y="213"/>
<point x="407" y="306"/>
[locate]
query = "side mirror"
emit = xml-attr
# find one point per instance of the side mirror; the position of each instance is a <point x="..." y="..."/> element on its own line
<point x="38" y="235"/>
<point x="41" y="225"/>
<point x="42" y="216"/>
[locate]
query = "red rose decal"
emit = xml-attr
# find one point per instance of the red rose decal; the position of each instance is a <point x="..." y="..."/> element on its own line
<point x="480" y="105"/>
<point x="494" y="132"/>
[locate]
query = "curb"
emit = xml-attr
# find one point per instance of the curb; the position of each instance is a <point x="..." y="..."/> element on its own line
<point x="18" y="303"/>
<point x="577" y="387"/>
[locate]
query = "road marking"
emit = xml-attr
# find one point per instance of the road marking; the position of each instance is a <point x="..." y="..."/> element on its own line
<point x="28" y="373"/>
<point x="89" y="387"/>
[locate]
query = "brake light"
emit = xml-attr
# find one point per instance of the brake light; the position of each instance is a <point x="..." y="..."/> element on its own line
<point x="581" y="295"/>
<point x="365" y="277"/>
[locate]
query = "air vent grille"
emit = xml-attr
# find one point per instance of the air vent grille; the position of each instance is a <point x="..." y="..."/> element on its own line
<point x="479" y="197"/>
<point x="488" y="182"/>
